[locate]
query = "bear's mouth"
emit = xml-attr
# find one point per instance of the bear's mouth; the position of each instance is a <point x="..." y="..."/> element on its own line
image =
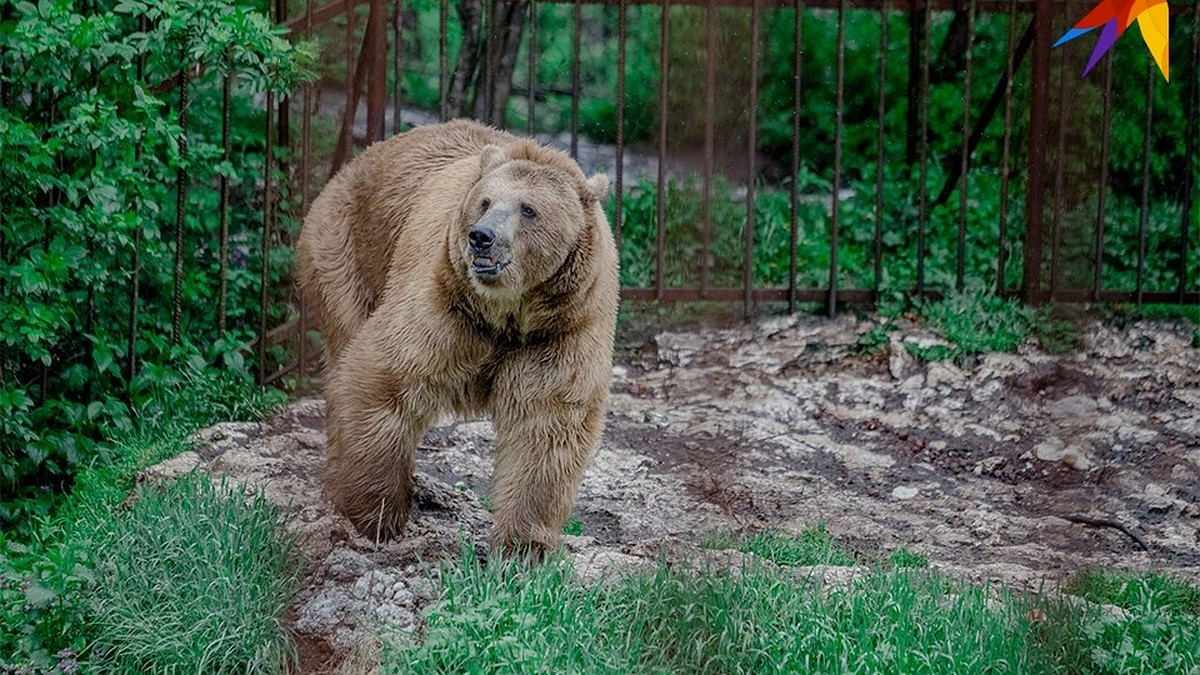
<point x="487" y="268"/>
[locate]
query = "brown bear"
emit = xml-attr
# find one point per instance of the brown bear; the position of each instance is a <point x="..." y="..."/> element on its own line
<point x="458" y="268"/>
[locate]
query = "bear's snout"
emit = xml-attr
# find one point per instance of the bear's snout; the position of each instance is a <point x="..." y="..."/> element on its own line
<point x="481" y="237"/>
<point x="489" y="245"/>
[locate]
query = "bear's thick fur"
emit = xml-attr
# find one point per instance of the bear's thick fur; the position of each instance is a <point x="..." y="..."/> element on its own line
<point x="457" y="268"/>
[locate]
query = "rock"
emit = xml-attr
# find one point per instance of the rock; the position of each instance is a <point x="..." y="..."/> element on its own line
<point x="900" y="362"/>
<point x="905" y="492"/>
<point x="1073" y="407"/>
<point x="1050" y="450"/>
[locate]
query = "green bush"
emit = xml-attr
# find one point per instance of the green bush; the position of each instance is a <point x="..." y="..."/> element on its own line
<point x="89" y="154"/>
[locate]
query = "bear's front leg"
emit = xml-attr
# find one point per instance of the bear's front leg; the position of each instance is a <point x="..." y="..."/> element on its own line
<point x="548" y="419"/>
<point x="376" y="417"/>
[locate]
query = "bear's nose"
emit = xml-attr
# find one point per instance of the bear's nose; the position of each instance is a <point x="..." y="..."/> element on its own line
<point x="481" y="237"/>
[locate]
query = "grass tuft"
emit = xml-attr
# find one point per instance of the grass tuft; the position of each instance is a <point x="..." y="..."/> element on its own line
<point x="193" y="578"/>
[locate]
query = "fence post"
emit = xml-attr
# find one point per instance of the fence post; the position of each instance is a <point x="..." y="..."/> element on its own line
<point x="1036" y="194"/>
<point x="377" y="81"/>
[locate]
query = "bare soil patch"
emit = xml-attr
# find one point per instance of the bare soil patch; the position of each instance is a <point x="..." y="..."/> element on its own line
<point x="993" y="468"/>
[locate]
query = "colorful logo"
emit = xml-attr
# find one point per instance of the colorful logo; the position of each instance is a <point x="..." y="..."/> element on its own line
<point x="1115" y="16"/>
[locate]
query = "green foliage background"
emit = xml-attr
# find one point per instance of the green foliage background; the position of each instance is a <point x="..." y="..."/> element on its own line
<point x="89" y="152"/>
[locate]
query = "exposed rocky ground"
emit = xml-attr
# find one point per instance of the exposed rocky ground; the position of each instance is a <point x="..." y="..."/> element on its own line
<point x="1014" y="468"/>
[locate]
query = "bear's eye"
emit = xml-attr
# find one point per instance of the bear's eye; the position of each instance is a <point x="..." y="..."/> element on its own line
<point x="527" y="211"/>
<point x="487" y="204"/>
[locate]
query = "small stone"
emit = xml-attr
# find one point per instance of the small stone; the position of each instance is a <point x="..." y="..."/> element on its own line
<point x="1076" y="459"/>
<point x="905" y="492"/>
<point x="1049" y="450"/>
<point x="1073" y="406"/>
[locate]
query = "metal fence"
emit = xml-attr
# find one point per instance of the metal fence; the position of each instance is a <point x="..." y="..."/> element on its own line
<point x="1054" y="238"/>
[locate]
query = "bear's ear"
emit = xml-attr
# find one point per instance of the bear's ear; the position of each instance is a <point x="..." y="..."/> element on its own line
<point x="597" y="187"/>
<point x="490" y="157"/>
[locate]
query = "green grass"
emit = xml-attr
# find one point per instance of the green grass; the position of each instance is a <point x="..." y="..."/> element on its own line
<point x="47" y="574"/>
<point x="813" y="546"/>
<point x="500" y="617"/>
<point x="193" y="578"/>
<point x="977" y="321"/>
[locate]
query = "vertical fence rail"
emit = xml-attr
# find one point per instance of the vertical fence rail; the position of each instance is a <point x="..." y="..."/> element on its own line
<point x="135" y="271"/>
<point x="223" y="207"/>
<point x="1192" y="111"/>
<point x="397" y="62"/>
<point x="180" y="198"/>
<point x="1009" y="67"/>
<point x="1098" y="260"/>
<point x="923" y="186"/>
<point x="877" y="245"/>
<point x="576" y="37"/>
<point x="751" y="165"/>
<point x="835" y="204"/>
<point x="268" y="220"/>
<point x="1060" y="166"/>
<point x="622" y="28"/>
<point x="664" y="60"/>
<point x="532" y="55"/>
<point x="965" y="158"/>
<point x="710" y="113"/>
<point x="1036" y="191"/>
<point x="1147" y="141"/>
<point x="793" y="187"/>
<point x="443" y="109"/>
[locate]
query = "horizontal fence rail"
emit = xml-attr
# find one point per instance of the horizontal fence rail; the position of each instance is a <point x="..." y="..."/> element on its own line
<point x="804" y="151"/>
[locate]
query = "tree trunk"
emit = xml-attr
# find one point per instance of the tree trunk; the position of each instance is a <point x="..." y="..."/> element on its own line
<point x="468" y="59"/>
<point x="504" y="27"/>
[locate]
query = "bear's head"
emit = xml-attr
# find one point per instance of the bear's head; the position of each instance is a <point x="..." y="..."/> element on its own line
<point x="530" y="209"/>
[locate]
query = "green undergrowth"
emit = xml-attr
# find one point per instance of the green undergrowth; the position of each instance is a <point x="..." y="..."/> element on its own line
<point x="50" y="568"/>
<point x="193" y="578"/>
<point x="812" y="546"/>
<point x="505" y="617"/>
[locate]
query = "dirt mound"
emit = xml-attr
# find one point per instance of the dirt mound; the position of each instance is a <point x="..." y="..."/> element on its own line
<point x="1014" y="468"/>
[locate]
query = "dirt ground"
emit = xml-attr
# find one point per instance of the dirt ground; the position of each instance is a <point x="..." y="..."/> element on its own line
<point x="1011" y="468"/>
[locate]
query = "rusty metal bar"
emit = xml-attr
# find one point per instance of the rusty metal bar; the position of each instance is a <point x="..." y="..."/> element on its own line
<point x="575" y="78"/>
<point x="751" y="167"/>
<point x="1189" y="184"/>
<point x="622" y="29"/>
<point x="923" y="186"/>
<point x="341" y="152"/>
<point x="136" y="263"/>
<point x="345" y="138"/>
<point x="1009" y="66"/>
<point x="710" y="108"/>
<point x="530" y="127"/>
<point x="965" y="159"/>
<point x="664" y="61"/>
<point x="280" y="374"/>
<point x="305" y="169"/>
<point x="877" y="253"/>
<point x="1145" y="212"/>
<point x="375" y="42"/>
<point x="181" y="179"/>
<point x="268" y="221"/>
<point x="794" y="188"/>
<point x="487" y="74"/>
<point x="1098" y="263"/>
<point x="397" y="64"/>
<point x="1036" y="192"/>
<point x="226" y="156"/>
<point x="1060" y="163"/>
<point x="443" y="111"/>
<point x="835" y="203"/>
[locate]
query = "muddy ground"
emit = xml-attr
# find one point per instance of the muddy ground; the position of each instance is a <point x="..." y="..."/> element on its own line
<point x="1013" y="468"/>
